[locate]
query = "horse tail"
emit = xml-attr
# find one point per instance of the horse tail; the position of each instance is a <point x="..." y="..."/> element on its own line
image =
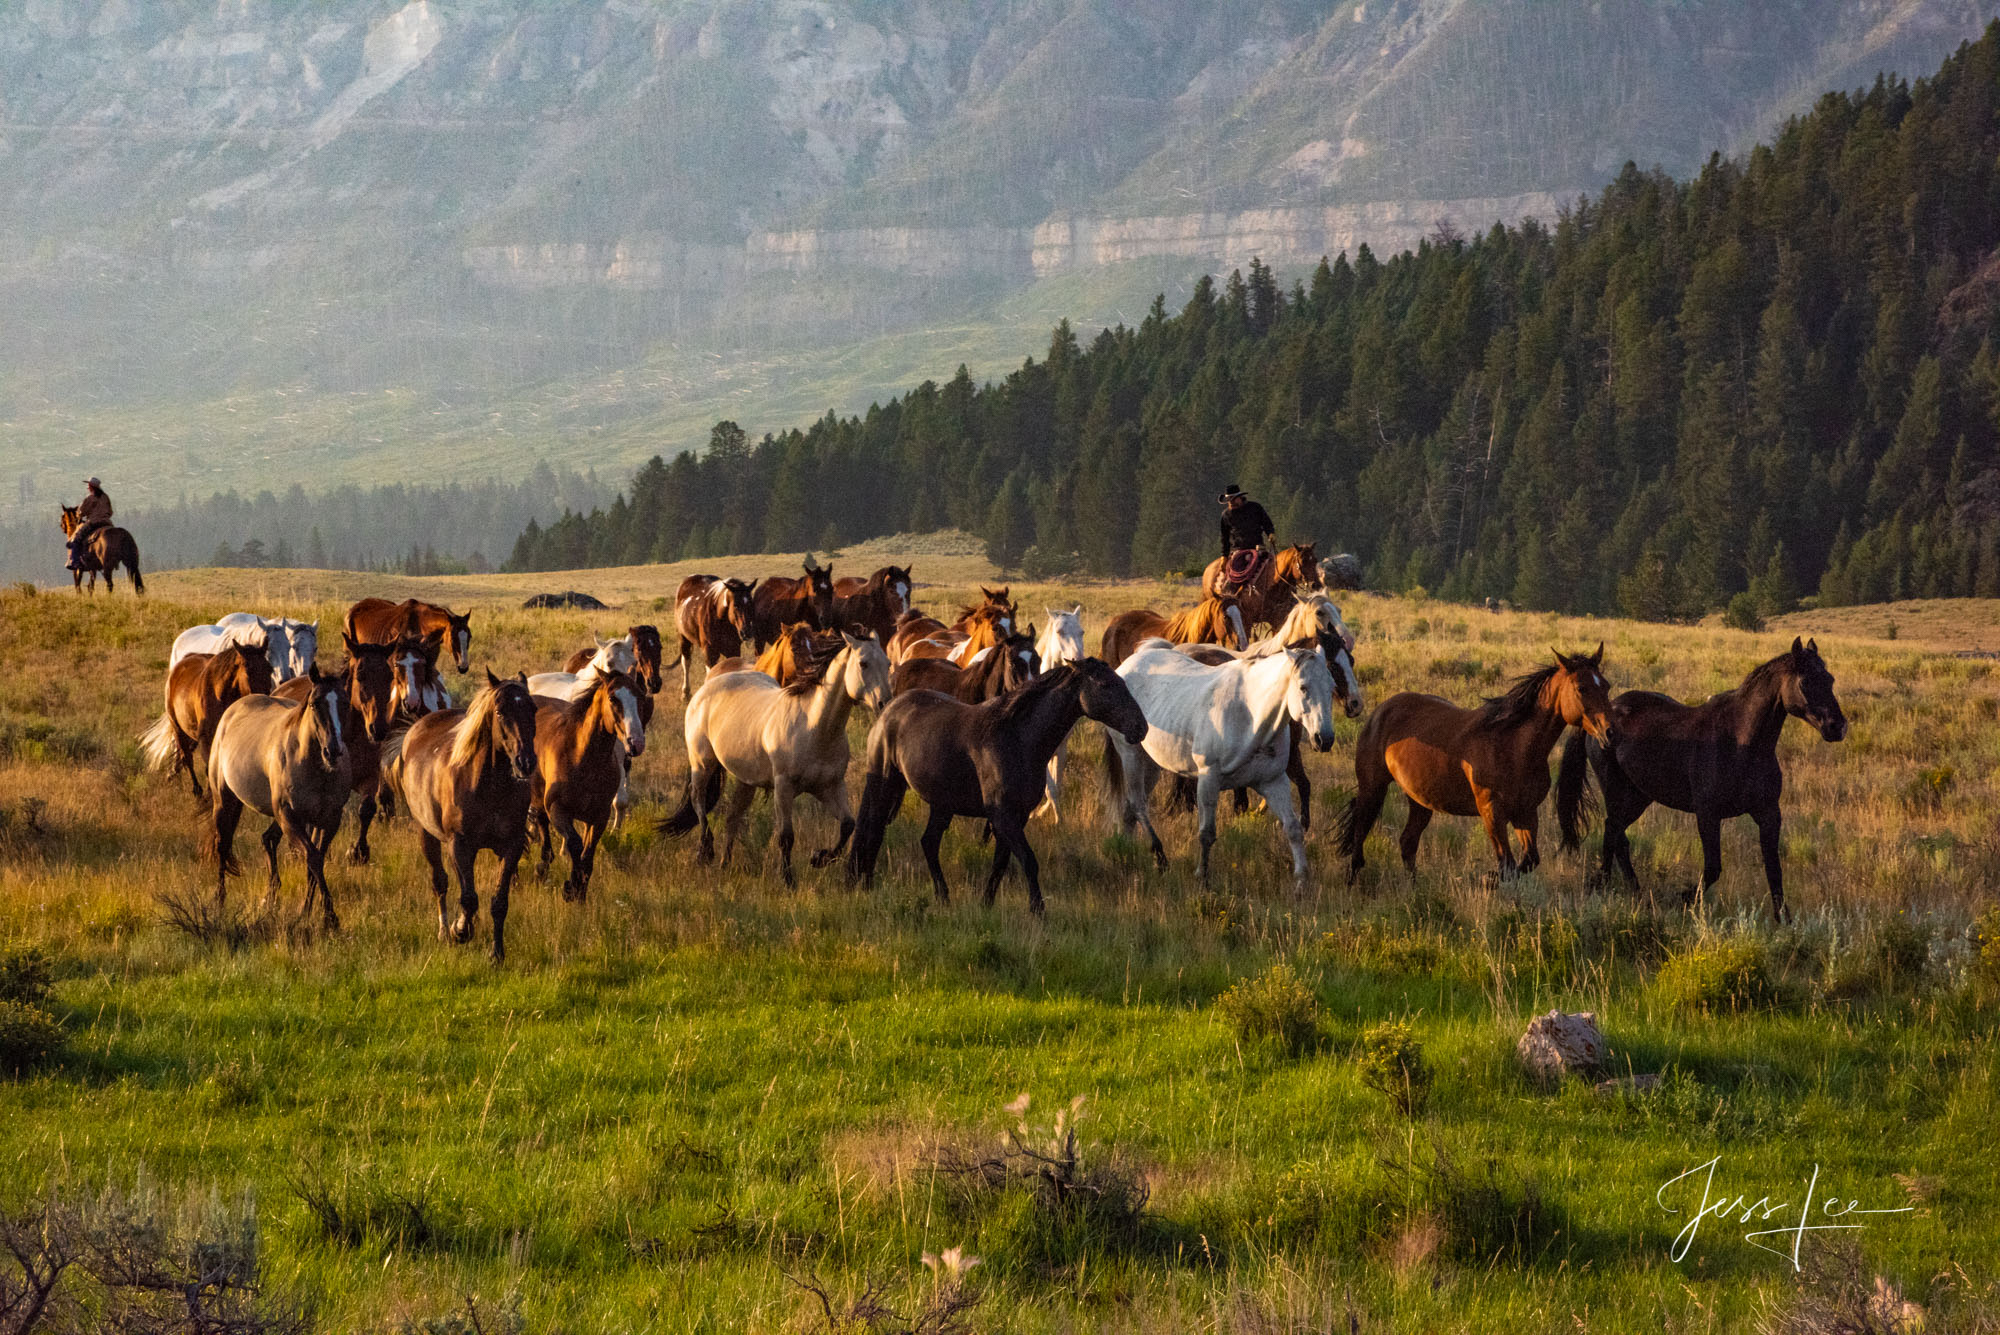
<point x="390" y="762"/>
<point x="158" y="743"/>
<point x="881" y="799"/>
<point x="1575" y="803"/>
<point x="1371" y="790"/>
<point x="132" y="565"/>
<point x="684" y="818"/>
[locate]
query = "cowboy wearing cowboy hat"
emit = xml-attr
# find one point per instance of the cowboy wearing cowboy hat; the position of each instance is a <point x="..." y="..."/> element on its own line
<point x="95" y="513"/>
<point x="1245" y="524"/>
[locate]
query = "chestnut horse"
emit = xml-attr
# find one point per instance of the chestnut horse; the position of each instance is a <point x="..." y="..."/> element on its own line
<point x="998" y="604"/>
<point x="580" y="750"/>
<point x="647" y="651"/>
<point x="716" y="614"/>
<point x="1008" y="666"/>
<point x="1716" y="760"/>
<point x="371" y="693"/>
<point x="379" y="621"/>
<point x="465" y="776"/>
<point x="288" y="760"/>
<point x="108" y="548"/>
<point x="873" y="605"/>
<point x="1216" y="619"/>
<point x="780" y="601"/>
<point x="199" y="688"/>
<point x="1491" y="761"/>
<point x="1270" y="593"/>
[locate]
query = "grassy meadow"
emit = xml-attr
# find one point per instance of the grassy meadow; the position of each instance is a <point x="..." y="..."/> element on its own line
<point x="687" y="1099"/>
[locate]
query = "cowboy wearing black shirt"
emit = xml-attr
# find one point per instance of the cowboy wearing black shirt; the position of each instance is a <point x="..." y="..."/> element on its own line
<point x="1244" y="522"/>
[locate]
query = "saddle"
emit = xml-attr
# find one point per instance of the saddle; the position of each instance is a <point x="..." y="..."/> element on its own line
<point x="1241" y="567"/>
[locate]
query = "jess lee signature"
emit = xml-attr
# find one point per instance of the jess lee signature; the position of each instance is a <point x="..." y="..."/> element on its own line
<point x="1800" y="1218"/>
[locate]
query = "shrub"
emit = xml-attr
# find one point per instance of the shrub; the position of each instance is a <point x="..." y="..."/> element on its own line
<point x="1275" y="1006"/>
<point x="1986" y="952"/>
<point x="1392" y="1063"/>
<point x="1040" y="563"/>
<point x="29" y="1036"/>
<point x="1732" y="974"/>
<point x="1927" y="788"/>
<point x="1743" y="613"/>
<point x="25" y="976"/>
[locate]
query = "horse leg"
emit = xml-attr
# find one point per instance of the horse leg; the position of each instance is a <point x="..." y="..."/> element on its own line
<point x="1207" y="796"/>
<point x="934" y="829"/>
<point x="1531" y="830"/>
<point x="1371" y="789"/>
<point x="700" y="780"/>
<point x="1009" y="831"/>
<point x="274" y="834"/>
<point x="463" y="854"/>
<point x="509" y="861"/>
<point x="1302" y="784"/>
<point x="588" y="860"/>
<point x="1496" y="831"/>
<point x="1052" y="789"/>
<point x="223" y="816"/>
<point x="881" y="798"/>
<point x="1770" y="826"/>
<point x="1414" y="826"/>
<point x="1709" y="826"/>
<point x="579" y="878"/>
<point x="734" y="810"/>
<point x="359" y="854"/>
<point x="1138" y="771"/>
<point x="687" y="670"/>
<point x="434" y="854"/>
<point x="782" y="792"/>
<point x="1278" y="797"/>
<point x="538" y="829"/>
<point x="316" y="872"/>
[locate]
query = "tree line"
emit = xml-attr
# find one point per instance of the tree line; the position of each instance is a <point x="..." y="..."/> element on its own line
<point x="1778" y="378"/>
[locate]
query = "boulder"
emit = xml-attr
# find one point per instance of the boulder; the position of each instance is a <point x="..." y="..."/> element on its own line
<point x="571" y="598"/>
<point x="1560" y="1044"/>
<point x="1342" y="571"/>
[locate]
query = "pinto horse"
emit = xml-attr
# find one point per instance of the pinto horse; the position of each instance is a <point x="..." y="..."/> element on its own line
<point x="379" y="621"/>
<point x="780" y="601"/>
<point x="580" y="750"/>
<point x="199" y="688"/>
<point x="647" y="651"/>
<point x="1216" y="619"/>
<point x="465" y="776"/>
<point x="1269" y="594"/>
<point x="714" y="614"/>
<point x="1491" y="761"/>
<point x="1007" y="666"/>
<point x="873" y="605"/>
<point x="107" y="549"/>
<point x="1716" y="760"/>
<point x="986" y="761"/>
<point x="371" y="694"/>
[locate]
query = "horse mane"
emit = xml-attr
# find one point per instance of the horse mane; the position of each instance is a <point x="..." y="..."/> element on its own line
<point x="812" y="666"/>
<point x="474" y="728"/>
<point x="1017" y="702"/>
<point x="1521" y="702"/>
<point x="1197" y="618"/>
<point x="1767" y="673"/>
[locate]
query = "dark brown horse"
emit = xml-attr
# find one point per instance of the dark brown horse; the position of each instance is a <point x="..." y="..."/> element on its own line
<point x="872" y="605"/>
<point x="199" y="688"/>
<point x="646" y="650"/>
<point x="379" y="621"/>
<point x="106" y="549"/>
<point x="985" y="761"/>
<point x="714" y="614"/>
<point x="371" y="697"/>
<point x="1716" y="760"/>
<point x="1007" y="666"/>
<point x="780" y="601"/>
<point x="1491" y="761"/>
<point x="1213" y="620"/>
<point x="1271" y="593"/>
<point x="580" y="751"/>
<point x="465" y="776"/>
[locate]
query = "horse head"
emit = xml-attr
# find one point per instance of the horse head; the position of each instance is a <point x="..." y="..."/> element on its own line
<point x="1582" y="695"/>
<point x="1808" y="691"/>
<point x="1309" y="696"/>
<point x="864" y="670"/>
<point x="899" y="584"/>
<point x="613" y="656"/>
<point x="1020" y="664"/>
<point x="71" y="519"/>
<point x="1062" y="642"/>
<point x="253" y="672"/>
<point x="742" y="603"/>
<point x="461" y="639"/>
<point x="321" y="721"/>
<point x="514" y="722"/>
<point x="371" y="684"/>
<point x="303" y="637"/>
<point x="819" y="590"/>
<point x="623" y="692"/>
<point x="1106" y="698"/>
<point x="648" y="650"/>
<point x="1300" y="563"/>
<point x="412" y="659"/>
<point x="1001" y="603"/>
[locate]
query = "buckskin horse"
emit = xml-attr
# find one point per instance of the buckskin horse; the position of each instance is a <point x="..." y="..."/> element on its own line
<point x="714" y="614"/>
<point x="199" y="688"/>
<point x="1490" y="761"/>
<point x="1268" y="595"/>
<point x="780" y="601"/>
<point x="379" y="621"/>
<point x="106" y="549"/>
<point x="1715" y="760"/>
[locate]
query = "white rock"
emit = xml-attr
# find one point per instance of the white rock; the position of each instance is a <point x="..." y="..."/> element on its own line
<point x="1559" y="1044"/>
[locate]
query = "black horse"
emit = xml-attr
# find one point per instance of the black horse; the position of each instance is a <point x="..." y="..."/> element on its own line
<point x="984" y="761"/>
<point x="1717" y="759"/>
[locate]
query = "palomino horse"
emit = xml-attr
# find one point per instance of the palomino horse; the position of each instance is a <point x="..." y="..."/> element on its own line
<point x="107" y="549"/>
<point x="647" y="652"/>
<point x="580" y="751"/>
<point x="465" y="776"/>
<point x="199" y="688"/>
<point x="780" y="601"/>
<point x="873" y="605"/>
<point x="715" y="614"/>
<point x="985" y="760"/>
<point x="612" y="658"/>
<point x="1717" y="760"/>
<point x="379" y="621"/>
<point x="1491" y="761"/>
<point x="1213" y="620"/>
<point x="1060" y="642"/>
<point x="291" y="645"/>
<point x="1224" y="727"/>
<point x="1008" y="666"/>
<point x="790" y="739"/>
<point x="284" y="759"/>
<point x="1269" y="594"/>
<point x="371" y="696"/>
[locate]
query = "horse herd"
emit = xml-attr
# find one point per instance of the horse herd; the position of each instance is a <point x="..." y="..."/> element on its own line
<point x="971" y="715"/>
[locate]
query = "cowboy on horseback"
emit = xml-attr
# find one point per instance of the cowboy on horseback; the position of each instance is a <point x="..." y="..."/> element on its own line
<point x="93" y="514"/>
<point x="1245" y="528"/>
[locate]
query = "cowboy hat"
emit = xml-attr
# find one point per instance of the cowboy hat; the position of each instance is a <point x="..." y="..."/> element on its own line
<point x="1231" y="492"/>
<point x="92" y="482"/>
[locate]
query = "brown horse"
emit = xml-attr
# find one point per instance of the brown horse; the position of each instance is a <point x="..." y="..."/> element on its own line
<point x="1271" y="593"/>
<point x="1716" y="760"/>
<point x="580" y="750"/>
<point x="1216" y="619"/>
<point x="998" y="605"/>
<point x="1008" y="666"/>
<point x="379" y="621"/>
<point x="780" y="601"/>
<point x="371" y="695"/>
<point x="199" y="688"/>
<point x="466" y="777"/>
<point x="1491" y="761"/>
<point x="107" y="548"/>
<point x="646" y="650"/>
<point x="287" y="760"/>
<point x="872" y="606"/>
<point x="714" y="614"/>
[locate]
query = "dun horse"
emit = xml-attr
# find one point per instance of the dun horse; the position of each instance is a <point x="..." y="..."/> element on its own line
<point x="371" y="695"/>
<point x="199" y="688"/>
<point x="1716" y="760"/>
<point x="647" y="651"/>
<point x="1213" y="620"/>
<point x="780" y="601"/>
<point x="1491" y="761"/>
<point x="379" y="621"/>
<point x="715" y="615"/>
<point x="1268" y="596"/>
<point x="107" y="549"/>
<point x="465" y="776"/>
<point x="872" y="606"/>
<point x="580" y="750"/>
<point x="287" y="760"/>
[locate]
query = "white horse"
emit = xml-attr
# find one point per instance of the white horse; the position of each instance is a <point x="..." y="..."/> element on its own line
<point x="1227" y="726"/>
<point x="1061" y="641"/>
<point x="611" y="656"/>
<point x="292" y="645"/>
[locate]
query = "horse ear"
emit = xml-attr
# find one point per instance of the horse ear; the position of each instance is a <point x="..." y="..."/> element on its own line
<point x="1813" y="645"/>
<point x="492" y="680"/>
<point x="522" y="677"/>
<point x="1076" y="611"/>
<point x="1798" y="647"/>
<point x="1597" y="659"/>
<point x="347" y="642"/>
<point x="1562" y="660"/>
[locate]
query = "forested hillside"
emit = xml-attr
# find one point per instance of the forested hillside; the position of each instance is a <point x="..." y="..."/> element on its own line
<point x="1777" y="377"/>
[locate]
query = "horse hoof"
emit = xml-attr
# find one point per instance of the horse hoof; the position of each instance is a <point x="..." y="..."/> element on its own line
<point x="572" y="894"/>
<point x="825" y="857"/>
<point x="461" y="932"/>
<point x="357" y="857"/>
